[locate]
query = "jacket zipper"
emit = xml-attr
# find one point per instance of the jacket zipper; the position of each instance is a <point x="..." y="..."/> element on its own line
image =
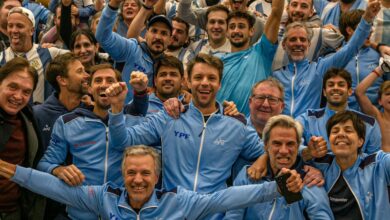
<point x="200" y="151"/>
<point x="106" y="157"/>
<point x="356" y="198"/>
<point x="292" y="90"/>
<point x="272" y="210"/>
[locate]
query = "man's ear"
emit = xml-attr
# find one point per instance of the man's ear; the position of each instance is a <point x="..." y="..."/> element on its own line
<point x="61" y="80"/>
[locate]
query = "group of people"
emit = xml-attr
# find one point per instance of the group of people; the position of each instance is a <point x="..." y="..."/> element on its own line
<point x="166" y="109"/>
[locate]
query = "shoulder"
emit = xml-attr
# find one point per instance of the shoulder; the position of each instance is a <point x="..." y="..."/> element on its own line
<point x="370" y="159"/>
<point x="316" y="113"/>
<point x="240" y="118"/>
<point x="69" y="117"/>
<point x="366" y="118"/>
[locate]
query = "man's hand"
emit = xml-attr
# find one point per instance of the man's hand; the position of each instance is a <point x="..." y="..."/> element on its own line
<point x="117" y="94"/>
<point x="69" y="174"/>
<point x="317" y="147"/>
<point x="7" y="170"/>
<point x="373" y="7"/>
<point x="294" y="182"/>
<point x="230" y="108"/>
<point x="313" y="177"/>
<point x="258" y="168"/>
<point x="139" y="81"/>
<point x="173" y="107"/>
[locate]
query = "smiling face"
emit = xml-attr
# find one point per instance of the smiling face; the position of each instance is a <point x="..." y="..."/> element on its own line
<point x="300" y="10"/>
<point x="101" y="80"/>
<point x="262" y="111"/>
<point x="344" y="140"/>
<point x="16" y="90"/>
<point x="336" y="91"/>
<point x="140" y="177"/>
<point x="20" y="31"/>
<point x="168" y="82"/>
<point x="204" y="83"/>
<point x="85" y="50"/>
<point x="296" y="44"/>
<point x="282" y="148"/>
<point x="216" y="26"/>
<point x="158" y="37"/>
<point x="239" y="32"/>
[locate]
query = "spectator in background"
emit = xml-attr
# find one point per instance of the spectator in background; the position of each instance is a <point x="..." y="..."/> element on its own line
<point x="5" y="6"/>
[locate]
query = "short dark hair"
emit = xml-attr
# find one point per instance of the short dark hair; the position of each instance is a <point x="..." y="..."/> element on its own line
<point x="18" y="64"/>
<point x="350" y="19"/>
<point x="95" y="68"/>
<point x="344" y="116"/>
<point x="206" y="59"/>
<point x="59" y="67"/>
<point x="216" y="8"/>
<point x="245" y="15"/>
<point x="170" y="61"/>
<point x="179" y="20"/>
<point x="333" y="72"/>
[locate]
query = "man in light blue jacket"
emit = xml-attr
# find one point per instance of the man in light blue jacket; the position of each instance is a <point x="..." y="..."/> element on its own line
<point x="282" y="136"/>
<point x="138" y="199"/>
<point x="302" y="79"/>
<point x="200" y="147"/>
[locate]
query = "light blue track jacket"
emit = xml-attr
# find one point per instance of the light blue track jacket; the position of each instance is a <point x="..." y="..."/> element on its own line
<point x="368" y="179"/>
<point x="302" y="80"/>
<point x="196" y="155"/>
<point x="111" y="202"/>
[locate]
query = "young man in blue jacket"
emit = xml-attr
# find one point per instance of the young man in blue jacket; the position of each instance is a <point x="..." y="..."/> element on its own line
<point x="300" y="77"/>
<point x="82" y="134"/>
<point x="200" y="147"/>
<point x="138" y="199"/>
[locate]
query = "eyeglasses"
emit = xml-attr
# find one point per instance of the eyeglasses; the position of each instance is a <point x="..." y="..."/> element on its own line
<point x="272" y="100"/>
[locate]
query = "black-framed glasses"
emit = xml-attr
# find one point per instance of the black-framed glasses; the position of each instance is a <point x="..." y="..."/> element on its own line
<point x="272" y="100"/>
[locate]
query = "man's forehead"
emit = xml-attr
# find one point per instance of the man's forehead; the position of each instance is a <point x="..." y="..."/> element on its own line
<point x="12" y="2"/>
<point x="309" y="2"/>
<point x="104" y="73"/>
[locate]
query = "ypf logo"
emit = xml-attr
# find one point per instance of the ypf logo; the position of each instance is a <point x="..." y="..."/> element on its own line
<point x="181" y="135"/>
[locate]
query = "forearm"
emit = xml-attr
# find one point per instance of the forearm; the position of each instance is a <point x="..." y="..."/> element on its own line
<point x="137" y="24"/>
<point x="185" y="12"/>
<point x="271" y="29"/>
<point x="87" y="11"/>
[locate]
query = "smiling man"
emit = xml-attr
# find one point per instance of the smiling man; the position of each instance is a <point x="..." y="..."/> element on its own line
<point x="19" y="141"/>
<point x="138" y="199"/>
<point x="201" y="146"/>
<point x="94" y="161"/>
<point x="337" y="87"/>
<point x="300" y="77"/>
<point x="137" y="56"/>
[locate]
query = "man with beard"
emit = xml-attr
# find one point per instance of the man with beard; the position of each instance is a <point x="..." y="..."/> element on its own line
<point x="331" y="11"/>
<point x="20" y="29"/>
<point x="200" y="147"/>
<point x="199" y="18"/>
<point x="5" y="6"/>
<point x="247" y="64"/>
<point x="83" y="135"/>
<point x="337" y="87"/>
<point x="178" y="47"/>
<point x="137" y="56"/>
<point x="300" y="77"/>
<point x="324" y="40"/>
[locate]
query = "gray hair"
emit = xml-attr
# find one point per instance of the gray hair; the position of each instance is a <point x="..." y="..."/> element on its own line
<point x="142" y="150"/>
<point x="285" y="122"/>
<point x="297" y="24"/>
